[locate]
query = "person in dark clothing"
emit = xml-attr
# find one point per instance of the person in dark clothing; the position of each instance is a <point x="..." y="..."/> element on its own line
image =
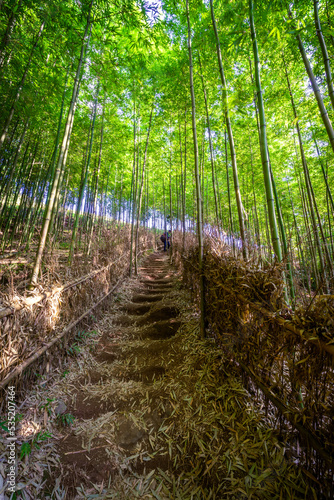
<point x="165" y="238"/>
<point x="168" y="239"/>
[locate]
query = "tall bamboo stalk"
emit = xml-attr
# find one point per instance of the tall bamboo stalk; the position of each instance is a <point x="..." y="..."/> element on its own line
<point x="83" y="185"/>
<point x="20" y="87"/>
<point x="8" y="185"/>
<point x="197" y="179"/>
<point x="63" y="151"/>
<point x="170" y="204"/>
<point x="141" y="186"/>
<point x="314" y="212"/>
<point x="256" y="217"/>
<point x="228" y="188"/>
<point x="263" y="143"/>
<point x="133" y="187"/>
<point x="329" y="78"/>
<point x="230" y="137"/>
<point x="184" y="180"/>
<point x="97" y="173"/>
<point x="8" y="32"/>
<point x="328" y="189"/>
<point x="322" y="109"/>
<point x="210" y="145"/>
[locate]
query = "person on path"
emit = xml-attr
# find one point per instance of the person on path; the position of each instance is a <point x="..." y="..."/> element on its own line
<point x="165" y="240"/>
<point x="168" y="239"/>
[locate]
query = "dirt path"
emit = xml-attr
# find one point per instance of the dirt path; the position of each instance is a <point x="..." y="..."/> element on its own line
<point x="136" y="352"/>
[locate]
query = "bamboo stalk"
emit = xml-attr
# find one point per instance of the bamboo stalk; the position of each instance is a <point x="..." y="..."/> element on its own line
<point x="197" y="180"/>
<point x="63" y="151"/>
<point x="20" y="87"/>
<point x="230" y="137"/>
<point x="210" y="145"/>
<point x="141" y="186"/>
<point x="133" y="199"/>
<point x="82" y="191"/>
<point x="329" y="78"/>
<point x="321" y="106"/>
<point x="263" y="142"/>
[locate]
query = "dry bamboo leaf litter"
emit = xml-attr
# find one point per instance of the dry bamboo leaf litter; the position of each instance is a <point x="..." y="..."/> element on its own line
<point x="293" y="368"/>
<point x="200" y="434"/>
<point x="25" y="331"/>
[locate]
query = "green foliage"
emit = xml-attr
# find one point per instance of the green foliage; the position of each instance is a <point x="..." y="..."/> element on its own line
<point x="74" y="350"/>
<point x="48" y="405"/>
<point x="3" y="425"/>
<point x="28" y="446"/>
<point x="138" y="55"/>
<point x="66" y="419"/>
<point x="25" y="449"/>
<point x="80" y="337"/>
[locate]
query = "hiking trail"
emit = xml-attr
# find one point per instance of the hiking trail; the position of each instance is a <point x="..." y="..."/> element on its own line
<point x="136" y="351"/>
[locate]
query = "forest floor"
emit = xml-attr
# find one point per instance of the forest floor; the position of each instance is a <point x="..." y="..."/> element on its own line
<point x="146" y="409"/>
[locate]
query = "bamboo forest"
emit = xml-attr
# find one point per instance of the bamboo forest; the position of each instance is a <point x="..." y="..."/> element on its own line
<point x="166" y="249"/>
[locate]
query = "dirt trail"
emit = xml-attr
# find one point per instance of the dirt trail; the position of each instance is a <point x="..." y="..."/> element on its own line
<point x="107" y="400"/>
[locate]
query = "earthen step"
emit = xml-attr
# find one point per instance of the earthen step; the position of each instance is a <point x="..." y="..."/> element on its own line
<point x="124" y="320"/>
<point x="142" y="297"/>
<point x="155" y="268"/>
<point x="136" y="308"/>
<point x="164" y="312"/>
<point x="157" y="282"/>
<point x="161" y="330"/>
<point x="156" y="290"/>
<point x="153" y="277"/>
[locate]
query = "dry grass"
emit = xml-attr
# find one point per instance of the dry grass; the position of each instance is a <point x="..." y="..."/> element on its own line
<point x="289" y="373"/>
<point x="23" y="332"/>
<point x="208" y="433"/>
<point x="203" y="436"/>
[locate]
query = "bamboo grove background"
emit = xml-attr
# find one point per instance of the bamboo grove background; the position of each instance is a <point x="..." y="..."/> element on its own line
<point x="96" y="123"/>
<point x="122" y="119"/>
